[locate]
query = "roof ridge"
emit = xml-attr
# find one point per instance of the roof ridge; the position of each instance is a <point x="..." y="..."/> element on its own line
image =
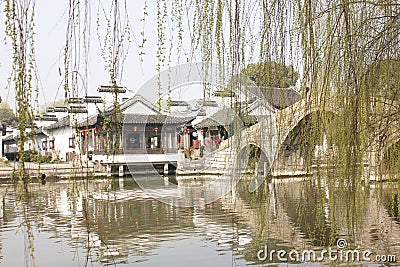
<point x="138" y="98"/>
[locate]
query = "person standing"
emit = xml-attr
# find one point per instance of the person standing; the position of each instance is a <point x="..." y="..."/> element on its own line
<point x="202" y="143"/>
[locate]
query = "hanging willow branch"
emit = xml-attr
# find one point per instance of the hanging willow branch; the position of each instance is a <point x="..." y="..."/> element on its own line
<point x="76" y="55"/>
<point x="20" y="32"/>
<point x="114" y="50"/>
<point x="344" y="51"/>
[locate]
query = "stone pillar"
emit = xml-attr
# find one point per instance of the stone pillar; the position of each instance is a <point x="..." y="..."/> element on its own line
<point x="144" y="141"/>
<point x="1" y="146"/>
<point x="164" y="143"/>
<point x="184" y="141"/>
<point x="166" y="169"/>
<point x="93" y="139"/>
<point x="121" y="183"/>
<point x="109" y="170"/>
<point x="121" y="170"/>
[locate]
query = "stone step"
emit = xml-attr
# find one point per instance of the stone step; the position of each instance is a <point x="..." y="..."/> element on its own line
<point x="210" y="161"/>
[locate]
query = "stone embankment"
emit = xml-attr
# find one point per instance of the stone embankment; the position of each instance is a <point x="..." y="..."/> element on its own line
<point x="55" y="170"/>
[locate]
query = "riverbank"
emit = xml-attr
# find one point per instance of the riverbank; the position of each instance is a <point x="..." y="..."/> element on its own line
<point x="54" y="170"/>
<point x="85" y="169"/>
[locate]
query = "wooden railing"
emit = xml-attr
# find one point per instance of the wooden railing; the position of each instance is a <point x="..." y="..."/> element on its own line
<point x="138" y="151"/>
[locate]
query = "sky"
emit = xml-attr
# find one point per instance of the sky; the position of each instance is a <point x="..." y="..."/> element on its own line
<point x="50" y="32"/>
<point x="50" y="29"/>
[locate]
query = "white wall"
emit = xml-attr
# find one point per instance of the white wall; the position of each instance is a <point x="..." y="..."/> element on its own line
<point x="61" y="142"/>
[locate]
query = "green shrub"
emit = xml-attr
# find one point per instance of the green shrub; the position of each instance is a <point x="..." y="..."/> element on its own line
<point x="34" y="156"/>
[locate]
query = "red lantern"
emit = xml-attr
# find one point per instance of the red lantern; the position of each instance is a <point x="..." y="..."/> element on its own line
<point x="96" y="129"/>
<point x="156" y="129"/>
<point x="135" y="129"/>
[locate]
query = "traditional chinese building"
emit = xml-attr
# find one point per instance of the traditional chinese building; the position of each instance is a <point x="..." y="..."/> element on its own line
<point x="148" y="135"/>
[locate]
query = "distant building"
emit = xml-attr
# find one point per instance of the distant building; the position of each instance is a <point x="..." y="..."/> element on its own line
<point x="215" y="120"/>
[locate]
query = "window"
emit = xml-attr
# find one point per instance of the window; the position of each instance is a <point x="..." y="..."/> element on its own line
<point x="51" y="144"/>
<point x="133" y="141"/>
<point x="44" y="145"/>
<point x="72" y="142"/>
<point x="153" y="141"/>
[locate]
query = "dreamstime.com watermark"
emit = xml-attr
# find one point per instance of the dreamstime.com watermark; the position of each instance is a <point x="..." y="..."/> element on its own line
<point x="340" y="254"/>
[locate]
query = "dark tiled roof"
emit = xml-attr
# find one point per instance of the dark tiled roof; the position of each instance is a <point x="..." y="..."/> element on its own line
<point x="178" y="103"/>
<point x="39" y="131"/>
<point x="60" y="109"/>
<point x="154" y="119"/>
<point x="221" y="117"/>
<point x="77" y="109"/>
<point x="9" y="139"/>
<point x="93" y="99"/>
<point x="211" y="122"/>
<point x="61" y="123"/>
<point x="131" y="101"/>
<point x="209" y="103"/>
<point x="90" y="121"/>
<point x="111" y="89"/>
<point x="75" y="100"/>
<point x="47" y="117"/>
<point x="50" y="115"/>
<point x="202" y="112"/>
<point x="278" y="97"/>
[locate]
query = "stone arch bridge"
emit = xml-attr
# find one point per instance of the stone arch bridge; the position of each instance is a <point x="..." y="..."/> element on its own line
<point x="274" y="144"/>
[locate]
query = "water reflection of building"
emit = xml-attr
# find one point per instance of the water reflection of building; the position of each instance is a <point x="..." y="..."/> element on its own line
<point x="119" y="223"/>
<point x="303" y="214"/>
<point x="122" y="223"/>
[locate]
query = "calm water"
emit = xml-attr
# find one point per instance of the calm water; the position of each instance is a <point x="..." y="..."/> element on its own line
<point x="111" y="222"/>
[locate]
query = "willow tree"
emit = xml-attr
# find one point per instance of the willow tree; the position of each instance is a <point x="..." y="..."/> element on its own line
<point x="343" y="51"/>
<point x="337" y="47"/>
<point x="113" y="32"/>
<point x="344" y="42"/>
<point x="333" y="45"/>
<point x="20" y="33"/>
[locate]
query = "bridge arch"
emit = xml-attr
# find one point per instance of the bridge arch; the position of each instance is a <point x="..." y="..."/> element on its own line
<point x="253" y="163"/>
<point x="293" y="115"/>
<point x="306" y="138"/>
